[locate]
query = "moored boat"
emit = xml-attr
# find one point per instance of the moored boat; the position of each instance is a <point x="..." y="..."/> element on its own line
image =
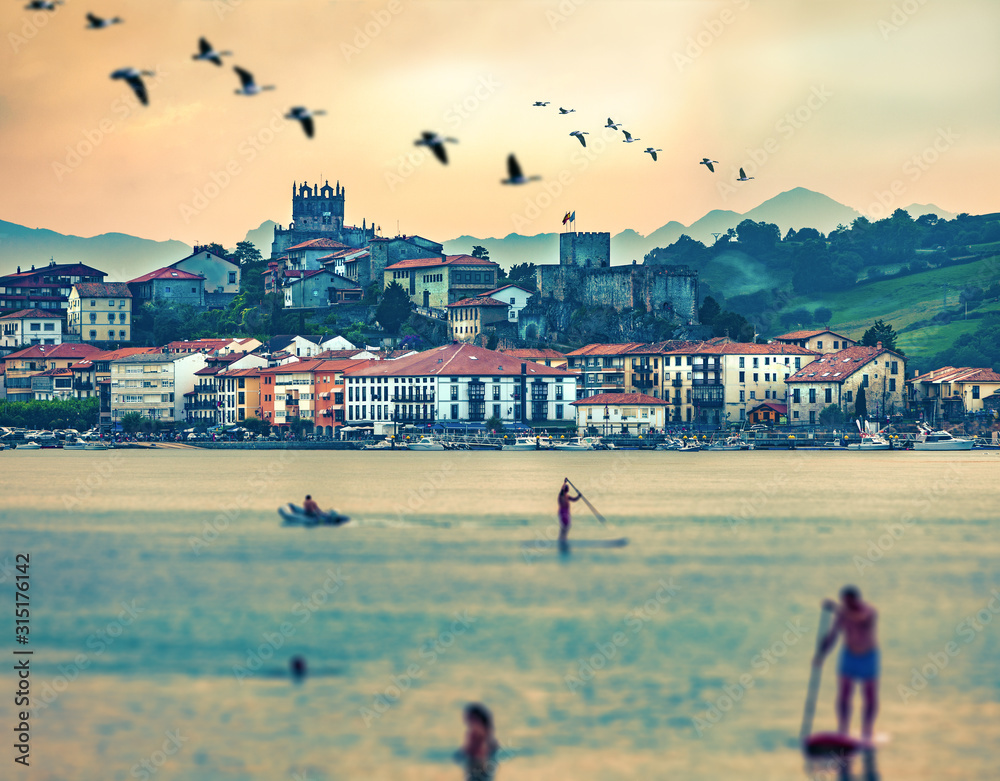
<point x="29" y="446"/>
<point x="928" y="439"/>
<point x="425" y="443"/>
<point x="521" y="443"/>
<point x="578" y="443"/>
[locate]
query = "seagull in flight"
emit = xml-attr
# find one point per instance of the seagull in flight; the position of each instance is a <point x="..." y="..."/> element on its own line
<point x="247" y="85"/>
<point x="133" y="78"/>
<point x="207" y="53"/>
<point x="628" y="138"/>
<point x="743" y="177"/>
<point x="43" y="5"/>
<point x="580" y="136"/>
<point x="97" y="23"/>
<point x="613" y="125"/>
<point x="566" y="110"/>
<point x="435" y="142"/>
<point x="652" y="152"/>
<point x="305" y="116"/>
<point x="514" y="173"/>
<point x="541" y="103"/>
<point x="709" y="164"/>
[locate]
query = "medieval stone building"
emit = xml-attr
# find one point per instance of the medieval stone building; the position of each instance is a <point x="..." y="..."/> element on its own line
<point x="318" y="213"/>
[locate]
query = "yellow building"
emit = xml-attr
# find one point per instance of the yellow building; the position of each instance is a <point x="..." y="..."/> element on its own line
<point x="100" y="312"/>
<point x="950" y="393"/>
<point x="825" y="341"/>
<point x="471" y="316"/>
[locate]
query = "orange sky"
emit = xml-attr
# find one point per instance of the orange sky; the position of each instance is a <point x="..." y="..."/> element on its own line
<point x="851" y="98"/>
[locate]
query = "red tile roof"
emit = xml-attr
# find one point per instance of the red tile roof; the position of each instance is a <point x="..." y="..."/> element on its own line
<point x="535" y="353"/>
<point x="448" y="260"/>
<point x="33" y="313"/>
<point x="166" y="273"/>
<point x="479" y="301"/>
<point x="799" y="335"/>
<point x="838" y="366"/>
<point x="318" y="244"/>
<point x="739" y="348"/>
<point x="103" y="290"/>
<point x="338" y="354"/>
<point x="619" y="400"/>
<point x="62" y="351"/>
<point x="781" y="409"/>
<point x="458" y="360"/>
<point x="54" y="373"/>
<point x="509" y="284"/>
<point x="605" y="349"/>
<point x="313" y="365"/>
<point x="113" y="355"/>
<point x="962" y="374"/>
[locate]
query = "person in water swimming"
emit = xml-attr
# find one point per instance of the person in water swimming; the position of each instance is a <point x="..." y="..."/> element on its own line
<point x="859" y="657"/>
<point x="478" y="752"/>
<point x="564" y="511"/>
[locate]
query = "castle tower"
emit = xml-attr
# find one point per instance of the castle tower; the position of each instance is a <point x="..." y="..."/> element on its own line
<point x="318" y="208"/>
<point x="585" y="250"/>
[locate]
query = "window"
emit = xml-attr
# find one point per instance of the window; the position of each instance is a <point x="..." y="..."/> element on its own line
<point x="796" y="395"/>
<point x="111" y="317"/>
<point x="454" y="412"/>
<point x="496" y="410"/>
<point x="166" y="290"/>
<point x="743" y="395"/>
<point x="742" y="362"/>
<point x="812" y="395"/>
<point x="93" y="302"/>
<point x="767" y="394"/>
<point x="559" y="395"/>
<point x="798" y="363"/>
<point x="864" y="380"/>
<point x="121" y="334"/>
<point x="795" y="415"/>
<point x="828" y="395"/>
<point x="755" y="376"/>
<point x="753" y="394"/>
<point x="496" y="393"/>
<point x="819" y="346"/>
<point x="812" y="417"/>
<point x="93" y="317"/>
<point x="559" y="411"/>
<point x="892" y="387"/>
<point x="848" y="395"/>
<point x="111" y="302"/>
<point x="767" y="375"/>
<point x="232" y="277"/>
<point x="743" y="375"/>
<point x="756" y="362"/>
<point x="93" y="335"/>
<point x="35" y="327"/>
<point x="454" y="396"/>
<point x="894" y="368"/>
<point x="836" y="345"/>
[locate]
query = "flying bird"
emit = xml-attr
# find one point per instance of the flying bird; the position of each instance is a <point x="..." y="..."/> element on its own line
<point x="97" y="23"/>
<point x="305" y="116"/>
<point x="541" y="103"/>
<point x="628" y="138"/>
<point x="566" y="110"/>
<point x="207" y="53"/>
<point x="743" y="177"/>
<point x="133" y="78"/>
<point x="435" y="142"/>
<point x="708" y="164"/>
<point x="42" y="5"/>
<point x="580" y="136"/>
<point x="247" y="85"/>
<point x="613" y="125"/>
<point x="514" y="173"/>
<point x="652" y="152"/>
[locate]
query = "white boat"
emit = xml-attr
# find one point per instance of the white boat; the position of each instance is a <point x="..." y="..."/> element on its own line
<point x="729" y="443"/>
<point x="928" y="439"/>
<point x="95" y="446"/>
<point x="521" y="443"/>
<point x="425" y="443"/>
<point x="77" y="444"/>
<point x="578" y="443"/>
<point x="689" y="446"/>
<point x="384" y="444"/>
<point x="29" y="446"/>
<point x="871" y="438"/>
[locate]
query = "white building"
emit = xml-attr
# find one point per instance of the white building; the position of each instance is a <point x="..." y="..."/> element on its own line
<point x="221" y="275"/>
<point x="620" y="413"/>
<point x="514" y="295"/>
<point x="459" y="383"/>
<point x="30" y="326"/>
<point x="153" y="384"/>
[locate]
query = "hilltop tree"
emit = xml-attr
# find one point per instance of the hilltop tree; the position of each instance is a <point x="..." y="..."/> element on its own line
<point x="758" y="237"/>
<point x="246" y="253"/>
<point x="823" y="315"/>
<point x="880" y="332"/>
<point x="394" y="309"/>
<point x="479" y="251"/>
<point x="709" y="310"/>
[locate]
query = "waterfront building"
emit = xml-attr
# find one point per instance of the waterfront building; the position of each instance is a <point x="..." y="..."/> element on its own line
<point x="951" y="393"/>
<point x="311" y="391"/>
<point x="546" y="356"/>
<point x="600" y="368"/>
<point x="837" y="378"/>
<point x="620" y="413"/>
<point x="30" y="326"/>
<point x="153" y="384"/>
<point x="100" y="312"/>
<point x="459" y="384"/>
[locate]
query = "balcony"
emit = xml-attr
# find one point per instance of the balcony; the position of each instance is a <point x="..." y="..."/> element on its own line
<point x="644" y="383"/>
<point x="676" y="383"/>
<point x="402" y="398"/>
<point x="82" y="385"/>
<point x="676" y="401"/>
<point x="708" y="395"/>
<point x="197" y="405"/>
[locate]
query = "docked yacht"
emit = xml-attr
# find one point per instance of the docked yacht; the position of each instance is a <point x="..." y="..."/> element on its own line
<point x="928" y="439"/>
<point x="578" y="443"/>
<point x="521" y="443"/>
<point x="425" y="443"/>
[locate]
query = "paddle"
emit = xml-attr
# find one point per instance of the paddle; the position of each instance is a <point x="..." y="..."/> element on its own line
<point x="587" y="502"/>
<point x="814" y="676"/>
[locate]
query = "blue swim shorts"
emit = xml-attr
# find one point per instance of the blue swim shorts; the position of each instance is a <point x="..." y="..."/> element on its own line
<point x="862" y="667"/>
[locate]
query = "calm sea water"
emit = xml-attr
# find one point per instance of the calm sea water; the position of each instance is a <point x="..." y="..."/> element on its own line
<point x="167" y="601"/>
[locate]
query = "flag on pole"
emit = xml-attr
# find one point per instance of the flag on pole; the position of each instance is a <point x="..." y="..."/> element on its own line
<point x="572" y="217"/>
<point x="566" y="218"/>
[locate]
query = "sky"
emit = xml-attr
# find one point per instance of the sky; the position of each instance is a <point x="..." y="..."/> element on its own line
<point x="875" y="104"/>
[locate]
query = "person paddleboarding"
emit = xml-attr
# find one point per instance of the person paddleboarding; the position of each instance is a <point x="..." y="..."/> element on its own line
<point x="564" y="513"/>
<point x="859" y="658"/>
<point x="479" y="750"/>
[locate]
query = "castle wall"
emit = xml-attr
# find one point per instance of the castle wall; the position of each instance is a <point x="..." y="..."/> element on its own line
<point x="669" y="290"/>
<point x="587" y="250"/>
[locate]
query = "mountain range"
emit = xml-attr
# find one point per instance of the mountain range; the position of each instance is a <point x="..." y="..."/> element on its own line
<point x="125" y="257"/>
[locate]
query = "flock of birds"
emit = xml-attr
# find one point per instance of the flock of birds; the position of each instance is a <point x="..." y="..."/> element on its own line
<point x="206" y="53"/>
<point x="249" y="87"/>
<point x="436" y="143"/>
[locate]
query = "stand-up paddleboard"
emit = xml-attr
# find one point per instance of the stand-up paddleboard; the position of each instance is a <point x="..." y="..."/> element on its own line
<point x="619" y="542"/>
<point x="293" y="515"/>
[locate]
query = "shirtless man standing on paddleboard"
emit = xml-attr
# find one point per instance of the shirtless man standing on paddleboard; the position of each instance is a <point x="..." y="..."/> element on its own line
<point x="564" y="512"/>
<point x="859" y="658"/>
